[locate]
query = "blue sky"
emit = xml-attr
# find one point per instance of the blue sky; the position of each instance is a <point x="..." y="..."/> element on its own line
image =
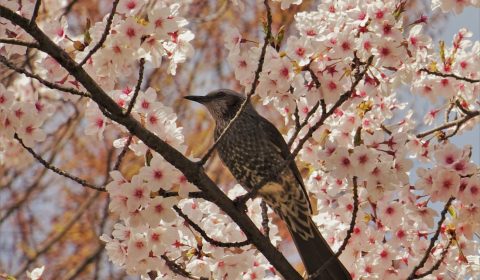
<point x="470" y="18"/>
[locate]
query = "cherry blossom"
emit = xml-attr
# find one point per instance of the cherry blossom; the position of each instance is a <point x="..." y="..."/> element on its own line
<point x="159" y="209"/>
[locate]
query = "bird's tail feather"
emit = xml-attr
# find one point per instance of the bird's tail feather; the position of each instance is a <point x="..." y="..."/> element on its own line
<point x="315" y="252"/>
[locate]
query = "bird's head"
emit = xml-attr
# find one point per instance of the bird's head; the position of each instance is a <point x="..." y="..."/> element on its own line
<point x="222" y="104"/>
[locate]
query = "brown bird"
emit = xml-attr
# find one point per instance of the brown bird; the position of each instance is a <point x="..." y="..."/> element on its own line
<point x="253" y="149"/>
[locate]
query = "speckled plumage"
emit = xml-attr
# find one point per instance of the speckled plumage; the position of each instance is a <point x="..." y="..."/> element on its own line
<point x="251" y="156"/>
<point x="253" y="149"/>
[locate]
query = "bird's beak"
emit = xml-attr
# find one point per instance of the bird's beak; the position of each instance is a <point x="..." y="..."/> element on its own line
<point x="199" y="99"/>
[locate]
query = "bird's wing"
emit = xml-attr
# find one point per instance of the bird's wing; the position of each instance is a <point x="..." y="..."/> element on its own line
<point x="277" y="140"/>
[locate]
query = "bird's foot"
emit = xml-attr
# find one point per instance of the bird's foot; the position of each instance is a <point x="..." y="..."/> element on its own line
<point x="240" y="202"/>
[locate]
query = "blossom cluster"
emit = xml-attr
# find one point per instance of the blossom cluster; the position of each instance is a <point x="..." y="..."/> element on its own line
<point x="162" y="34"/>
<point x="150" y="233"/>
<point x="360" y="142"/>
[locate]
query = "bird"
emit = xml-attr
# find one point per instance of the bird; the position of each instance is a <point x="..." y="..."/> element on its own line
<point x="253" y="150"/>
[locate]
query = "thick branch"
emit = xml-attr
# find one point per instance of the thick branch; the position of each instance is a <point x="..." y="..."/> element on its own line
<point x="192" y="171"/>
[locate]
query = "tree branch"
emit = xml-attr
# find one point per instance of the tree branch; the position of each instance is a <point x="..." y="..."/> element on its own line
<point x="458" y="123"/>
<point x="122" y="154"/>
<point x="205" y="235"/>
<point x="435" y="73"/>
<point x="252" y="89"/>
<point x="266" y="228"/>
<point x="432" y="240"/>
<point x="192" y="171"/>
<point x="302" y="125"/>
<point x="177" y="269"/>
<point x="69" y="7"/>
<point x="137" y="87"/>
<point x="321" y="102"/>
<point x="439" y="261"/>
<point x="36" y="8"/>
<point x="19" y="43"/>
<point x="56" y="169"/>
<point x="349" y="233"/>
<point x="104" y="34"/>
<point x="344" y="97"/>
<point x="41" y="80"/>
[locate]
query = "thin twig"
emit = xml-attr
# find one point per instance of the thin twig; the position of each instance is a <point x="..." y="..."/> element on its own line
<point x="297" y="117"/>
<point x="19" y="43"/>
<point x="205" y="236"/>
<point x="56" y="169"/>
<point x="18" y="203"/>
<point x="36" y="8"/>
<point x="344" y="97"/>
<point x="457" y="123"/>
<point x="463" y="109"/>
<point x="104" y="34"/>
<point x="439" y="261"/>
<point x="178" y="269"/>
<point x="302" y="125"/>
<point x="432" y="240"/>
<point x="192" y="171"/>
<point x="137" y="87"/>
<point x="51" y="85"/>
<point x="123" y="152"/>
<point x="252" y="89"/>
<point x="298" y="127"/>
<point x="435" y="73"/>
<point x="384" y="128"/>
<point x="448" y="111"/>
<point x="266" y="228"/>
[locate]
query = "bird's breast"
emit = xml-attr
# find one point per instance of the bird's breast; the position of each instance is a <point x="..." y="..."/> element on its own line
<point x="247" y="153"/>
